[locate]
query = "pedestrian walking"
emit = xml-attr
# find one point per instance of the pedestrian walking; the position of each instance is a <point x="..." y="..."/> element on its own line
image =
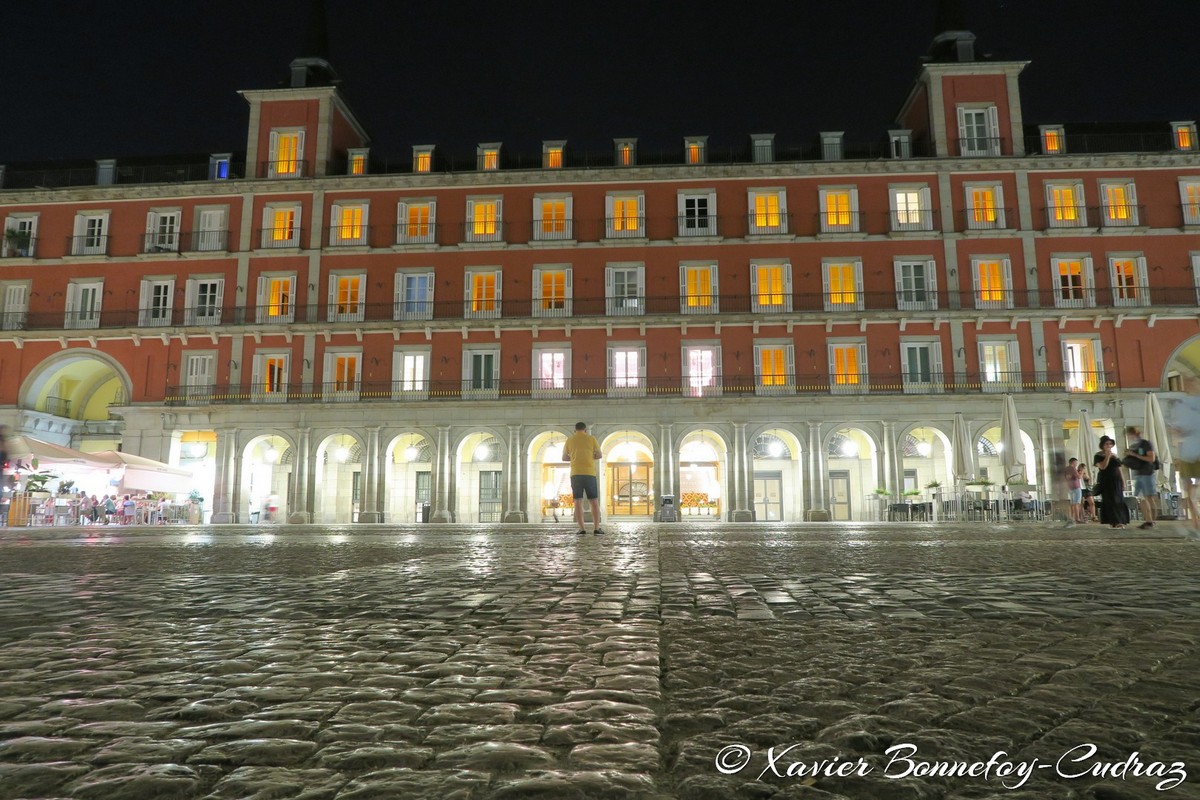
<point x="1087" y="500"/>
<point x="583" y="451"/>
<point x="1141" y="460"/>
<point x="1183" y="422"/>
<point x="1111" y="485"/>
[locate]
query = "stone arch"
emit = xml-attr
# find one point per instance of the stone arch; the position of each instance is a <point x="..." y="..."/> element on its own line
<point x="777" y="467"/>
<point x="337" y="477"/>
<point x="549" y="496"/>
<point x="479" y="464"/>
<point x="267" y="464"/>
<point x="935" y="464"/>
<point x="75" y="384"/>
<point x="852" y="452"/>
<point x="1184" y="362"/>
<point x="409" y="460"/>
<point x="703" y="473"/>
<point x="628" y="476"/>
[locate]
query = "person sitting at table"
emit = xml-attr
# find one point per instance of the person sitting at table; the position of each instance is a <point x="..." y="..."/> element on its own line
<point x="1025" y="501"/>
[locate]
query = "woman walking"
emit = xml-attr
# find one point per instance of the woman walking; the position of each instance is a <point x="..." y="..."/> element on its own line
<point x="1110" y="484"/>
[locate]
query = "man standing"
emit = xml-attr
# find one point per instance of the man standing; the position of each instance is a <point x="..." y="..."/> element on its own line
<point x="1140" y="458"/>
<point x="583" y="451"/>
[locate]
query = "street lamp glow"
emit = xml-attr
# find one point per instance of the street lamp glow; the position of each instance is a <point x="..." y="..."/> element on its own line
<point x="270" y="455"/>
<point x="341" y="454"/>
<point x="483" y="453"/>
<point x="924" y="449"/>
<point x="411" y="453"/>
<point x="198" y="449"/>
<point x="775" y="449"/>
<point x="849" y="449"/>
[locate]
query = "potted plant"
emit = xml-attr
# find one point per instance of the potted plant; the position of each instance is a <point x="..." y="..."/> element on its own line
<point x="882" y="492"/>
<point x="18" y="242"/>
<point x="933" y="485"/>
<point x="66" y="487"/>
<point x="912" y="493"/>
<point x="35" y="483"/>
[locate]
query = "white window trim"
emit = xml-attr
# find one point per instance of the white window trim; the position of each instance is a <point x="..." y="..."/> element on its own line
<point x="80" y="243"/>
<point x="329" y="374"/>
<point x="148" y="316"/>
<point x="624" y="306"/>
<point x="610" y="231"/>
<point x="269" y="242"/>
<point x="1196" y="273"/>
<point x="400" y="308"/>
<point x="336" y="237"/>
<point x="714" y="299"/>
<point x="198" y="383"/>
<point x="419" y="388"/>
<point x="706" y="225"/>
<point x="1190" y="211"/>
<point x="832" y="227"/>
<point x="568" y="302"/>
<point x="924" y="208"/>
<point x="1131" y="203"/>
<point x="15" y="297"/>
<point x="468" y="374"/>
<point x="418" y="151"/>
<point x="1096" y="367"/>
<point x="1043" y="130"/>
<point x="752" y="213"/>
<point x="80" y="319"/>
<point x="937" y="381"/>
<point x="1191" y="129"/>
<point x="263" y="299"/>
<point x="497" y="301"/>
<point x="863" y="385"/>
<point x="715" y="390"/>
<point x="1013" y="372"/>
<point x="983" y="225"/>
<point x="1141" y="286"/>
<point x="789" y="356"/>
<point x="757" y="306"/>
<point x="470" y="234"/>
<point x="626" y="391"/>
<point x="210" y="240"/>
<point x="540" y="391"/>
<point x="273" y="170"/>
<point x="539" y="232"/>
<point x="1006" y="274"/>
<point x="257" y="393"/>
<point x="191" y="300"/>
<point x="11" y="223"/>
<point x="826" y="286"/>
<point x="1087" y="276"/>
<point x="402" y="234"/>
<point x="1080" y="205"/>
<point x="991" y="145"/>
<point x="355" y="315"/>
<point x="930" y="303"/>
<point x="158" y="241"/>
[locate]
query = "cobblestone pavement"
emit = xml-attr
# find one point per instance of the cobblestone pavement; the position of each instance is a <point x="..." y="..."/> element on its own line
<point x="661" y="661"/>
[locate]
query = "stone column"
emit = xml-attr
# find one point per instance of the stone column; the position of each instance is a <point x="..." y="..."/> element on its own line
<point x="665" y="474"/>
<point x="442" y="476"/>
<point x="888" y="465"/>
<point x="302" y="475"/>
<point x="1048" y="445"/>
<point x="741" y="510"/>
<point x="815" y="479"/>
<point x="369" y="512"/>
<point x="515" y="473"/>
<point x="224" y="510"/>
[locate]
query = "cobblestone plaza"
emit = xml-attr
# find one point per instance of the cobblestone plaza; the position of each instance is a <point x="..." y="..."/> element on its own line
<point x="486" y="662"/>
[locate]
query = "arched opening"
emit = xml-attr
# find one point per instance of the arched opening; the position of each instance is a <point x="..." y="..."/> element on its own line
<point x="337" y="493"/>
<point x="266" y="479"/>
<point x="700" y="475"/>
<point x="628" y="489"/>
<point x="480" y="478"/>
<point x="409" y="477"/>
<point x="925" y="458"/>
<point x="777" y="476"/>
<point x="78" y="385"/>
<point x="989" y="459"/>
<point x="853" y="467"/>
<point x="550" y="478"/>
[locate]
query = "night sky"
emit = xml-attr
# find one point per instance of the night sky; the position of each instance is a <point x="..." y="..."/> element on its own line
<point x="126" y="78"/>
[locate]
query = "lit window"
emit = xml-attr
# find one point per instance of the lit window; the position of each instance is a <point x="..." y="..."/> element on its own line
<point x="345" y="372"/>
<point x="910" y="209"/>
<point x="983" y="211"/>
<point x="1052" y="141"/>
<point x="694" y="150"/>
<point x="1080" y="373"/>
<point x="416" y="222"/>
<point x="484" y="219"/>
<point x="488" y="156"/>
<point x="348" y="295"/>
<point x="1189" y="195"/>
<point x="287" y="153"/>
<point x="1128" y="280"/>
<point x="553" y="156"/>
<point x="551" y="370"/>
<point x="625" y="368"/>
<point x="358" y="164"/>
<point x="991" y="284"/>
<point x="698" y="283"/>
<point x="625" y="220"/>
<point x="845" y="367"/>
<point x="554" y="216"/>
<point x="767" y="213"/>
<point x="837" y="210"/>
<point x="348" y="228"/>
<point x="1074" y="282"/>
<point x="412" y="371"/>
<point x="702" y="371"/>
<point x="279" y="297"/>
<point x="773" y="366"/>
<point x="771" y="287"/>
<point x="1120" y="205"/>
<point x="998" y="366"/>
<point x="283" y="227"/>
<point x="1065" y="210"/>
<point x="841" y="285"/>
<point x="483" y="292"/>
<point x="422" y="160"/>
<point x="626" y="155"/>
<point x="553" y="291"/>
<point x="1185" y="135"/>
<point x="274" y="374"/>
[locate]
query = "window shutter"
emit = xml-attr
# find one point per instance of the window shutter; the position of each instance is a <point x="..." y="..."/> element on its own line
<point x="336" y="233"/>
<point x="608" y="289"/>
<point x="538" y="217"/>
<point x="261" y="299"/>
<point x="714" y="291"/>
<point x="144" y="302"/>
<point x="429" y="295"/>
<point x="787" y="287"/>
<point x="469" y="279"/>
<point x="499" y="292"/>
<point x="189" y="301"/>
<point x="471" y="214"/>
<point x="754" y="298"/>
<point x="536" y="294"/>
<point x="789" y="355"/>
<point x="862" y="362"/>
<point x="331" y="302"/>
<point x="1008" y="286"/>
<point x="831" y="351"/>
<point x="683" y="289"/>
<point x="898" y="274"/>
<point x="398" y="295"/>
<point x="935" y="360"/>
<point x="401" y="221"/>
<point x="859" y="300"/>
<point x="758" y="363"/>
<point x="273" y="154"/>
<point x="718" y="367"/>
<point x="569" y="291"/>
<point x="361" y="298"/>
<point x="641" y="290"/>
<point x="931" y="278"/>
<point x="220" y="295"/>
<point x="962" y="124"/>
<point x="826" y="284"/>
<point x="993" y="123"/>
<point x="152" y="224"/>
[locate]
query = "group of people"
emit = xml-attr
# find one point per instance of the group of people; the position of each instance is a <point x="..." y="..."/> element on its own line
<point x="112" y="510"/>
<point x="1109" y="483"/>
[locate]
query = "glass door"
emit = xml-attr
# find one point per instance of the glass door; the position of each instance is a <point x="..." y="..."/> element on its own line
<point x="629" y="484"/>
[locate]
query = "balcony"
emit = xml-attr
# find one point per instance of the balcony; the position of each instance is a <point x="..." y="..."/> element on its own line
<point x="1120" y="216"/>
<point x="16" y="245"/>
<point x="479" y="231"/>
<point x="697" y="225"/>
<point x="980" y="145"/>
<point x="986" y="218"/>
<point x="552" y="230"/>
<point x="1066" y="217"/>
<point x="767" y="223"/>
<point x="626" y="227"/>
<point x="286" y="168"/>
<point x="840" y="221"/>
<point x="348" y="235"/>
<point x="216" y="241"/>
<point x="88" y="245"/>
<point x="416" y="233"/>
<point x="161" y="242"/>
<point x="912" y="220"/>
<point x="279" y="238"/>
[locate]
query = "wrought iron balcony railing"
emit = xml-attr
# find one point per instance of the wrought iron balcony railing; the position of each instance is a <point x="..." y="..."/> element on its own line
<point x="285" y="168"/>
<point x="980" y="145"/>
<point x="417" y="233"/>
<point x="988" y="218"/>
<point x="88" y="245"/>
<point x="280" y="238"/>
<point x="18" y="246"/>
<point x="1120" y="216"/>
<point x="1066" y="217"/>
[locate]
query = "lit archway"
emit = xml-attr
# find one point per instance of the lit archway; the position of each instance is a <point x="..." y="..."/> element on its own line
<point x="776" y="493"/>
<point x="550" y="495"/>
<point x="701" y="490"/>
<point x="628" y="485"/>
<point x="81" y="385"/>
<point x="925" y="458"/>
<point x="408" y="463"/>
<point x="266" y="478"/>
<point x="480" y="484"/>
<point x="337" y="493"/>
<point x="853" y="466"/>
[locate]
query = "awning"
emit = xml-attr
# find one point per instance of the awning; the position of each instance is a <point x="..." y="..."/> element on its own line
<point x="25" y="449"/>
<point x="146" y="473"/>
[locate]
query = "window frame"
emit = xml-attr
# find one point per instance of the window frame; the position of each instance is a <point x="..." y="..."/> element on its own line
<point x="75" y="319"/>
<point x="852" y="224"/>
<point x="261" y="390"/>
<point x="334" y="388"/>
<point x="624" y="306"/>
<point x="150" y="313"/>
<point x="787" y="384"/>
<point x="295" y="165"/>
<point x="924" y="210"/>
<point x="476" y="229"/>
<point x="613" y="230"/>
<point x="567" y="232"/>
<point x="14" y="297"/>
<point x="929" y="274"/>
<point x="404" y="224"/>
<point x="859" y="383"/>
<point x="338" y="226"/>
<point x="163" y="241"/>
<point x="1006" y="382"/>
<point x="1121" y="296"/>
<point x="638" y="387"/>
<point x="87" y="242"/>
<point x="937" y="379"/>
<point x="1109" y="212"/>
<point x="491" y="387"/>
<point x="270" y="239"/>
<point x="1095" y="370"/>
<point x="191" y="301"/>
<point x="538" y="387"/>
<point x="713" y="304"/>
<point x="827" y="292"/>
<point x="753" y="215"/>
<point x="1087" y="281"/>
<point x="696" y="224"/>
<point x="756" y="295"/>
<point x="401" y="304"/>
<point x="403" y="386"/>
<point x="1006" y="301"/>
<point x="476" y="302"/>
<point x="13" y="222"/>
<point x="334" y="312"/>
<point x="972" y="211"/>
<point x="969" y="146"/>
<point x="263" y="308"/>
<point x="1056" y="213"/>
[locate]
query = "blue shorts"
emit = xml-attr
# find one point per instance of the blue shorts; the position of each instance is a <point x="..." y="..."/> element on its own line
<point x="1075" y="496"/>
<point x="585" y="485"/>
<point x="1143" y="486"/>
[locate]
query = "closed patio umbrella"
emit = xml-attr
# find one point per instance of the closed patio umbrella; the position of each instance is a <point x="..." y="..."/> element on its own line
<point x="963" y="449"/>
<point x="1012" y="454"/>
<point x="1155" y="430"/>
<point x="1087" y="444"/>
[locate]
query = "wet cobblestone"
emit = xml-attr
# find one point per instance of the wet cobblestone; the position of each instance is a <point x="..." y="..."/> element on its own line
<point x="521" y="661"/>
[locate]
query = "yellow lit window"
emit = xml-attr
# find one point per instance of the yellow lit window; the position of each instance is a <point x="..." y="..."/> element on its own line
<point x="283" y="228"/>
<point x="484" y="218"/>
<point x="287" y="154"/>
<point x="770" y="285"/>
<point x="483" y="291"/>
<point x="1116" y="203"/>
<point x="626" y="157"/>
<point x="766" y="211"/>
<point x="1070" y="279"/>
<point x="1051" y="141"/>
<point x="1125" y="278"/>
<point x="358" y="164"/>
<point x="554" y="157"/>
<point x="837" y="209"/>
<point x="698" y="286"/>
<point x="417" y="223"/>
<point x="554" y="289"/>
<point x="554" y="216"/>
<point x="1183" y="137"/>
<point x="422" y="162"/>
<point x="274" y="374"/>
<point x="774" y="366"/>
<point x="491" y="159"/>
<point x="1191" y="208"/>
<point x="845" y="365"/>
<point x="348" y="294"/>
<point x="345" y="371"/>
<point x="1080" y="366"/>
<point x="842" y="284"/>
<point x="991" y="281"/>
<point x="1062" y="199"/>
<point x="695" y="153"/>
<point x="279" y="299"/>
<point x="983" y="205"/>
<point x="350" y="222"/>
<point x="625" y="214"/>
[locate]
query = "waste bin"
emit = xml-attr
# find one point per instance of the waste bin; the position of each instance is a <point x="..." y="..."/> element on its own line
<point x="666" y="510"/>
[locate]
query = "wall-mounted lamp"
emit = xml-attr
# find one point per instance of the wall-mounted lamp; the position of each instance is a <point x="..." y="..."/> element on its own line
<point x="307" y="364"/>
<point x="962" y="351"/>
<point x="233" y="363"/>
<point x="1041" y="351"/>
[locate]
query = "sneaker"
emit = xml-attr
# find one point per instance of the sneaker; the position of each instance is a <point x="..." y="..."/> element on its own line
<point x="1146" y="526"/>
<point x="598" y="531"/>
<point x="1070" y="524"/>
<point x="581" y="532"/>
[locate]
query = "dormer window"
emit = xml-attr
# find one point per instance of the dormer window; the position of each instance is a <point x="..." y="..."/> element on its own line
<point x="356" y="161"/>
<point x="1184" y="135"/>
<point x="900" y="142"/>
<point x="218" y="166"/>
<point x="832" y="147"/>
<point x="423" y="158"/>
<point x="1053" y="140"/>
<point x="625" y="152"/>
<point x="487" y="157"/>
<point x="552" y="154"/>
<point x="762" y="146"/>
<point x="696" y="150"/>
<point x="978" y="131"/>
<point x="287" y="154"/>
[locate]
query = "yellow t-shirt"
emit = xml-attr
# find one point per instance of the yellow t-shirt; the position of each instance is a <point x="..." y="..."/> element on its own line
<point x="581" y="451"/>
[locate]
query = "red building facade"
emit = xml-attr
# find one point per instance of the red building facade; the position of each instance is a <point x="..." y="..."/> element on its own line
<point x="777" y="337"/>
